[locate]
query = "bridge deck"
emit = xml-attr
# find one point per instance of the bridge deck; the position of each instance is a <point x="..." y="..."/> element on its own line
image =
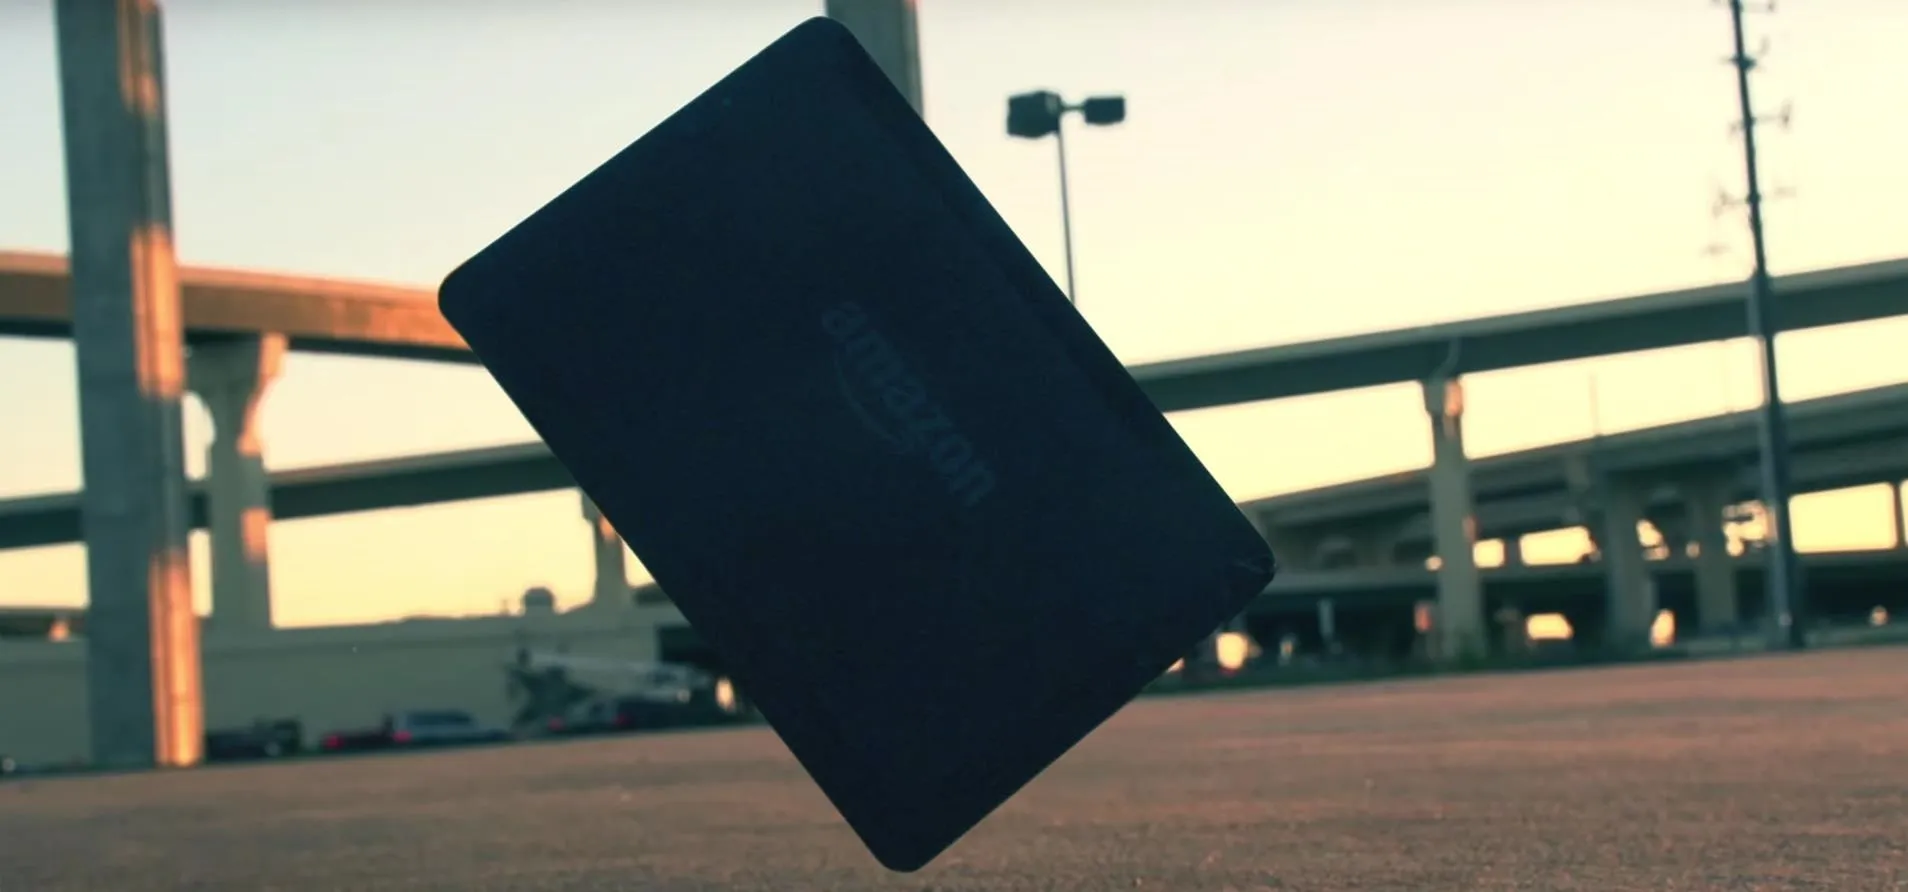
<point x="379" y="320"/>
<point x="315" y="314"/>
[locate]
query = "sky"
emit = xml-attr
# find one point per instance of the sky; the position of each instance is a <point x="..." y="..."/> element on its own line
<point x="1288" y="171"/>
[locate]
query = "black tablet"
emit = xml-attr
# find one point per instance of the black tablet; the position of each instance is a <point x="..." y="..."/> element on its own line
<point x="860" y="437"/>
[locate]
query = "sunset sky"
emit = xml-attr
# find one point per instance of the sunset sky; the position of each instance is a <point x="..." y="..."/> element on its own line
<point x="1288" y="171"/>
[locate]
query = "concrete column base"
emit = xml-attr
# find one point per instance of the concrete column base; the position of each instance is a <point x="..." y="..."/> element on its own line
<point x="231" y="379"/>
<point x="1630" y="607"/>
<point x="1718" y="602"/>
<point x="1459" y="628"/>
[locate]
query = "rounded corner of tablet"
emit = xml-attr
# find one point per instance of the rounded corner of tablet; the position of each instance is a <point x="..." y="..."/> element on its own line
<point x="450" y="292"/>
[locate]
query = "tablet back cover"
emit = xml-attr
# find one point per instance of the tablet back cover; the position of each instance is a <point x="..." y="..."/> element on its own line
<point x="853" y="429"/>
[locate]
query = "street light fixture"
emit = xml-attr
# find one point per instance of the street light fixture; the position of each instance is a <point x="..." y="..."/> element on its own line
<point x="1039" y="114"/>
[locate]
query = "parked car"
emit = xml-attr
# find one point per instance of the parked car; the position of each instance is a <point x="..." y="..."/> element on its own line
<point x="439" y="728"/>
<point x="264" y="739"/>
<point x="414" y="728"/>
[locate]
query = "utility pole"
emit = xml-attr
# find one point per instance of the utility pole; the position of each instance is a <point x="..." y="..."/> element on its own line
<point x="1780" y="568"/>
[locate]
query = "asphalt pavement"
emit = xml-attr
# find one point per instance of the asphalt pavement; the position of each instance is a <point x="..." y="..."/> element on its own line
<point x="1771" y="773"/>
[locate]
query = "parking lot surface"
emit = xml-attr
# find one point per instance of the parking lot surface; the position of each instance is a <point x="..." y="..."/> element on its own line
<point x="1773" y="773"/>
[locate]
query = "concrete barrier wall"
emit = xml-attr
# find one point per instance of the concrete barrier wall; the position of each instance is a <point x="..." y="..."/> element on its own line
<point x="43" y="701"/>
<point x="327" y="678"/>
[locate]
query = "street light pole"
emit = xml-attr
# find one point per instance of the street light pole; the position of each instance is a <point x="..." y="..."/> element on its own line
<point x="1780" y="568"/>
<point x="1041" y="113"/>
<point x="1066" y="210"/>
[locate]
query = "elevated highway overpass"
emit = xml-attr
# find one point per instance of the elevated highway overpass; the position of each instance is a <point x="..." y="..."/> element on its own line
<point x="1371" y="609"/>
<point x="314" y="315"/>
<point x="1840" y="441"/>
<point x="226" y="312"/>
<point x="1374" y="610"/>
<point x="375" y="320"/>
<point x="1845" y="440"/>
<point x="517" y="469"/>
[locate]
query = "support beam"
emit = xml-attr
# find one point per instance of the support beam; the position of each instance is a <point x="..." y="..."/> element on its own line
<point x="886" y="29"/>
<point x="231" y="378"/>
<point x="1631" y="594"/>
<point x="1718" y="604"/>
<point x="1460" y="614"/>
<point x="612" y="576"/>
<point x="142" y="642"/>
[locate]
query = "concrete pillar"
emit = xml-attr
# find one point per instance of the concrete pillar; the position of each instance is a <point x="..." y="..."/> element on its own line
<point x="1718" y="604"/>
<point x="886" y="29"/>
<point x="1328" y="624"/>
<point x="1630" y="606"/>
<point x="612" y="576"/>
<point x="1580" y="481"/>
<point x="1513" y="635"/>
<point x="231" y="378"/>
<point x="1513" y="551"/>
<point x="144" y="688"/>
<point x="1460" y="615"/>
